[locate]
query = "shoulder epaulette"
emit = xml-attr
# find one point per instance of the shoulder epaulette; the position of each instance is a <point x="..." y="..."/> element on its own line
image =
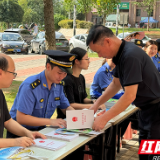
<point x="35" y="83"/>
<point x="62" y="83"/>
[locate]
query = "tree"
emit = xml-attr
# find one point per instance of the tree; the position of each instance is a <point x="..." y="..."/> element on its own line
<point x="82" y="6"/>
<point x="69" y="6"/>
<point x="37" y="11"/>
<point x="10" y="11"/>
<point x="105" y="7"/>
<point x="27" y="17"/>
<point x="148" y="6"/>
<point x="49" y="25"/>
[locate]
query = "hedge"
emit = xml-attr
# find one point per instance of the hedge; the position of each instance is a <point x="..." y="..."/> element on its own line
<point x="79" y="24"/>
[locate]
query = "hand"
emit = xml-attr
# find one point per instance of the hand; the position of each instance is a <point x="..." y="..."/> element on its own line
<point x="23" y="142"/>
<point x="34" y="135"/>
<point x="58" y="122"/>
<point x="102" y="106"/>
<point x="93" y="107"/>
<point x="99" y="123"/>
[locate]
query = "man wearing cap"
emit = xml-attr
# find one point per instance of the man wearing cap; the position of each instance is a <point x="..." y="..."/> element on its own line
<point x="41" y="94"/>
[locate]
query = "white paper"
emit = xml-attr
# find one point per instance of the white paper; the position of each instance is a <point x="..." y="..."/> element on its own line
<point x="49" y="144"/>
<point x="79" y="119"/>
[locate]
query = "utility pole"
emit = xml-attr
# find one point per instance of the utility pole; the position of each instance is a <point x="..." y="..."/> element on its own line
<point x="74" y="21"/>
<point x="117" y="19"/>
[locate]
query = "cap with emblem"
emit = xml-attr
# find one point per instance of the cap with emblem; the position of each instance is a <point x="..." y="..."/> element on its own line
<point x="61" y="59"/>
<point x="137" y="42"/>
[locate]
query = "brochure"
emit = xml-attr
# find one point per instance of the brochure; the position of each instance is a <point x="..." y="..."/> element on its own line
<point x="49" y="144"/>
<point x="86" y="131"/>
<point x="79" y="119"/>
<point x="66" y="137"/>
<point x="110" y="103"/>
<point x="14" y="153"/>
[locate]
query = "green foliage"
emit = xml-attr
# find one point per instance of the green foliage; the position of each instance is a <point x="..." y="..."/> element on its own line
<point x="66" y="23"/>
<point x="57" y="18"/>
<point x="10" y="11"/>
<point x="84" y="24"/>
<point x="80" y="24"/>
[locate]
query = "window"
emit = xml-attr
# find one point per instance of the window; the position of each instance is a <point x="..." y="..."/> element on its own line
<point x="138" y="12"/>
<point x="77" y="37"/>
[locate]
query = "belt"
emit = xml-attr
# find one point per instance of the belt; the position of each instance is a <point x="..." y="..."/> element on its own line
<point x="147" y="106"/>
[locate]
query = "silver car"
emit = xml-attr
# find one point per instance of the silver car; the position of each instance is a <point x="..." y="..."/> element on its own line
<point x="78" y="41"/>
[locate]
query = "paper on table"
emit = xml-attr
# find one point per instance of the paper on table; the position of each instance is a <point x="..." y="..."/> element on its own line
<point x="49" y="144"/>
<point x="65" y="137"/>
<point x="86" y="131"/>
<point x="78" y="119"/>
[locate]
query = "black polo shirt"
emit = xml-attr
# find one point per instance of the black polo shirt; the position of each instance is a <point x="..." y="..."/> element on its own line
<point x="4" y="114"/>
<point x="134" y="66"/>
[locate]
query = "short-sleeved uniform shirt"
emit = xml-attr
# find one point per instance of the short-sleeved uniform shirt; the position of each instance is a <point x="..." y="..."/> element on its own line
<point x="4" y="114"/>
<point x="40" y="101"/>
<point x="102" y="79"/>
<point x="156" y="61"/>
<point x="75" y="90"/>
<point x="134" y="66"/>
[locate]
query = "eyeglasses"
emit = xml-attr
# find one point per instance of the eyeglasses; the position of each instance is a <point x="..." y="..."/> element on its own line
<point x="86" y="59"/>
<point x="14" y="74"/>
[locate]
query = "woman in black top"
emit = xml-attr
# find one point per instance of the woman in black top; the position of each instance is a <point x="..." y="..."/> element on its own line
<point x="74" y="87"/>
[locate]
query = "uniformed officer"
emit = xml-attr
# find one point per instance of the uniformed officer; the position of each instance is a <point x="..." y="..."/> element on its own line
<point x="156" y="58"/>
<point x="137" y="74"/>
<point x="102" y="78"/>
<point x="41" y="94"/>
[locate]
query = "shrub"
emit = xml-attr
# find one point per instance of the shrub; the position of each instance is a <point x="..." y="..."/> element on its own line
<point x="84" y="24"/>
<point x="79" y="24"/>
<point x="57" y="18"/>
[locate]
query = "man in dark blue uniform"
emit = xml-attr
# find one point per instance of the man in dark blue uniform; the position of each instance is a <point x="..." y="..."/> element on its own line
<point x="138" y="76"/>
<point x="41" y="94"/>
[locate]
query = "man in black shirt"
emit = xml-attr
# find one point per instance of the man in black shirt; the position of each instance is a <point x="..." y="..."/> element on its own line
<point x="7" y="74"/>
<point x="138" y="76"/>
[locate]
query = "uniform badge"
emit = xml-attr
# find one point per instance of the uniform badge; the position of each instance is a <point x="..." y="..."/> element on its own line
<point x="138" y="42"/>
<point x="41" y="100"/>
<point x="35" y="83"/>
<point x="106" y="70"/>
<point x="44" y="85"/>
<point x="155" y="56"/>
<point x="62" y="83"/>
<point x="57" y="98"/>
<point x="72" y="58"/>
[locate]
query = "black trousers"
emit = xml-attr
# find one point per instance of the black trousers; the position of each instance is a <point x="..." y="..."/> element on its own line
<point x="149" y="126"/>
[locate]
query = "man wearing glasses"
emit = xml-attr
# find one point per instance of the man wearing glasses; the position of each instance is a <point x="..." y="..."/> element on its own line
<point x="41" y="94"/>
<point x="7" y="75"/>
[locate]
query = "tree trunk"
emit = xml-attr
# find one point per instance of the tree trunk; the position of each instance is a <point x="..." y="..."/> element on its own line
<point x="7" y="24"/>
<point x="148" y="25"/>
<point x="49" y="25"/>
<point x="104" y="19"/>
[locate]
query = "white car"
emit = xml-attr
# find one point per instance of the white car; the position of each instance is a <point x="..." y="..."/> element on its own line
<point x="78" y="41"/>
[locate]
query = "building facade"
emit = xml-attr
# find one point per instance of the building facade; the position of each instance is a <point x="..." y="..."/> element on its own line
<point x="135" y="13"/>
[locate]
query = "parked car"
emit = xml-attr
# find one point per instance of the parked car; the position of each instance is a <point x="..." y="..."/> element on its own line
<point x="78" y="41"/>
<point x="130" y="35"/>
<point x="38" y="44"/>
<point x="12" y="43"/>
<point x="26" y="35"/>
